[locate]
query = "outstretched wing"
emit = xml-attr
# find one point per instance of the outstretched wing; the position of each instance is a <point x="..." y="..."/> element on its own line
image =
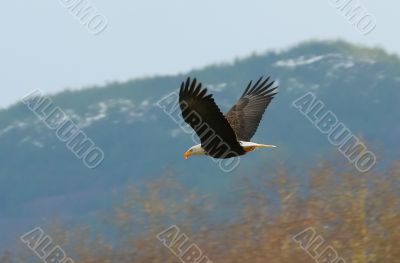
<point x="203" y="115"/>
<point x="246" y="114"/>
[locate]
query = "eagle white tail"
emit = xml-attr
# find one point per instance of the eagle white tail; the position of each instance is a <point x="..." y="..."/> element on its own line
<point x="265" y="146"/>
<point x="253" y="145"/>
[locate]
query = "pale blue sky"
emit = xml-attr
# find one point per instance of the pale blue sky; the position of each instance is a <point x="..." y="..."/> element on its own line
<point x="44" y="47"/>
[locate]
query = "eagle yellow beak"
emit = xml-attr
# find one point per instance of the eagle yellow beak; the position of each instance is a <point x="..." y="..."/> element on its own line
<point x="187" y="154"/>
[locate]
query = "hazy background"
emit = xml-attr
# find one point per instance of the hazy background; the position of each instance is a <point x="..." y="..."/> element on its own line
<point x="43" y="46"/>
<point x="113" y="213"/>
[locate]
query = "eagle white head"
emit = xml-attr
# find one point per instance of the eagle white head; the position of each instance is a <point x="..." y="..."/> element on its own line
<point x="195" y="150"/>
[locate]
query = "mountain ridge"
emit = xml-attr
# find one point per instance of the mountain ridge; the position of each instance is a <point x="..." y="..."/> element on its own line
<point x="140" y="141"/>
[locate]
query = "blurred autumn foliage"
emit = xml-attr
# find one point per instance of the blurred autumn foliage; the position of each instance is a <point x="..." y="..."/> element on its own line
<point x="356" y="214"/>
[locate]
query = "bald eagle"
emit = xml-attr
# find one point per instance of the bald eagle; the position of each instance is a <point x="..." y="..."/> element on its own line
<point x="225" y="136"/>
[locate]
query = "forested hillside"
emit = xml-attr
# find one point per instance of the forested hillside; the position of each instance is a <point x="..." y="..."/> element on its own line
<point x="41" y="179"/>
